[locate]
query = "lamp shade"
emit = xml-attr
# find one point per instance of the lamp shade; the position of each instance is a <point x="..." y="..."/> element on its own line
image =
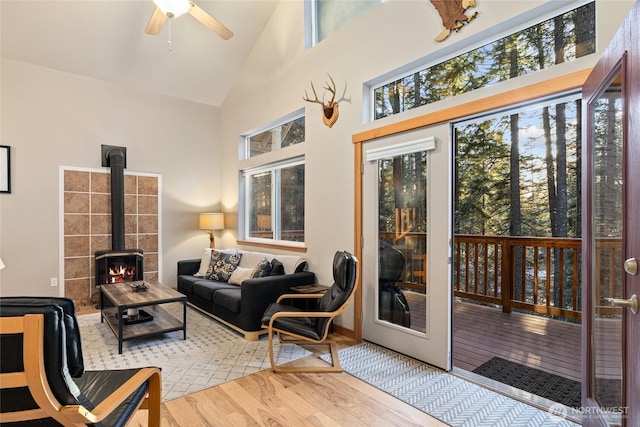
<point x="1" y="264"/>
<point x="173" y="8"/>
<point x="211" y="221"/>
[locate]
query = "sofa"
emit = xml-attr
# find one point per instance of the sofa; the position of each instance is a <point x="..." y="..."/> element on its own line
<point x="235" y="286"/>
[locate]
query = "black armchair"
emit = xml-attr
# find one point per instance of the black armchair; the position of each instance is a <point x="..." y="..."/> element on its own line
<point x="42" y="377"/>
<point x="392" y="304"/>
<point x="297" y="326"/>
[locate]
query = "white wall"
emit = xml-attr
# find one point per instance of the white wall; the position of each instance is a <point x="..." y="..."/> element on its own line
<point x="52" y="118"/>
<point x="392" y="35"/>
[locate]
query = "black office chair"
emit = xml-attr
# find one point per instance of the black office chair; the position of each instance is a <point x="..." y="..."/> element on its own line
<point x="392" y="304"/>
<point x="297" y="326"/>
<point x="42" y="376"/>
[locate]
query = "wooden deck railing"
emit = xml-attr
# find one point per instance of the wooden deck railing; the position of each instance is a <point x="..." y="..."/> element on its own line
<point x="537" y="274"/>
<point x="543" y="274"/>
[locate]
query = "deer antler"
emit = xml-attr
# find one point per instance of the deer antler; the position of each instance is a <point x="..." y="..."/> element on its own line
<point x="330" y="89"/>
<point x="329" y="109"/>
<point x="316" y="100"/>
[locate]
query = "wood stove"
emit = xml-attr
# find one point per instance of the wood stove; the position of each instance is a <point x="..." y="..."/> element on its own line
<point x="118" y="264"/>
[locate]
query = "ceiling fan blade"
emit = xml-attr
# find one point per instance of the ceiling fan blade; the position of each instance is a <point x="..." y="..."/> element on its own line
<point x="156" y="22"/>
<point x="210" y="22"/>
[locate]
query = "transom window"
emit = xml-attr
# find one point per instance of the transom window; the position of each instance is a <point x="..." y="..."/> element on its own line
<point x="562" y="38"/>
<point x="284" y="135"/>
<point x="327" y="16"/>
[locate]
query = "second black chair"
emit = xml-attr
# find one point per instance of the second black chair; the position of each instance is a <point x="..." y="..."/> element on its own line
<point x="297" y="326"/>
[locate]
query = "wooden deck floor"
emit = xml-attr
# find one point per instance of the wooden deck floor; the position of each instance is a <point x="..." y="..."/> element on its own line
<point x="480" y="333"/>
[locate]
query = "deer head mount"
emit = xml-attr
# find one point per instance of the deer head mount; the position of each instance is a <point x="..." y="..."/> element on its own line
<point x="329" y="108"/>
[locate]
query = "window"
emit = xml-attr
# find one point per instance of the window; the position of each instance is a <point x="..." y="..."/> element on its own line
<point x="327" y="16"/>
<point x="275" y="202"/>
<point x="281" y="136"/>
<point x="273" y="191"/>
<point x="562" y="38"/>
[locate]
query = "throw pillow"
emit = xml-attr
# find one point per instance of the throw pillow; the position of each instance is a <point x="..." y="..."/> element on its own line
<point x="222" y="264"/>
<point x="204" y="263"/>
<point x="301" y="267"/>
<point x="262" y="269"/>
<point x="277" y="269"/>
<point x="240" y="274"/>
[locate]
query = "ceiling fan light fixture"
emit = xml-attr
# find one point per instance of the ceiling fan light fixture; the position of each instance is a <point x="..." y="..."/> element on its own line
<point x="173" y="8"/>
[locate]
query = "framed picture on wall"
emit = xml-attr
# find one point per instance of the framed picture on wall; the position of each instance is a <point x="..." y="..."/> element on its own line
<point x="5" y="169"/>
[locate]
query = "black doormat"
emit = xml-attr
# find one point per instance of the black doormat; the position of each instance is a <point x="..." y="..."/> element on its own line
<point x="535" y="381"/>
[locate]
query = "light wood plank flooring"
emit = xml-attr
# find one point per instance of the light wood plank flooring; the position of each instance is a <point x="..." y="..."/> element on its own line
<point x="266" y="398"/>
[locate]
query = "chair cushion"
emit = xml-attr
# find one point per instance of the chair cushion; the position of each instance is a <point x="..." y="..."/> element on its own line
<point x="98" y="385"/>
<point x="55" y="348"/>
<point x="391" y="263"/>
<point x="298" y="325"/>
<point x="75" y="360"/>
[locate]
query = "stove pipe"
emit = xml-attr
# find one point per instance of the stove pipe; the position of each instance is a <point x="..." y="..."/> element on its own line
<point x="116" y="159"/>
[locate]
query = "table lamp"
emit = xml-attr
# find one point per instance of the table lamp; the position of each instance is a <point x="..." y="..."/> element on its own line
<point x="211" y="222"/>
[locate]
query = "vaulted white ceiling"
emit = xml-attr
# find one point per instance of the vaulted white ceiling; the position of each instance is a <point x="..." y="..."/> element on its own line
<point x="105" y="39"/>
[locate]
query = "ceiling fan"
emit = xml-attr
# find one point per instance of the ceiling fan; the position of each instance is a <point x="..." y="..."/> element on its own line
<point x="174" y="8"/>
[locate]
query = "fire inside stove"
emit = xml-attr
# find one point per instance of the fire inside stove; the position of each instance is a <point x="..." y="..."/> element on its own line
<point x="122" y="273"/>
<point x="118" y="266"/>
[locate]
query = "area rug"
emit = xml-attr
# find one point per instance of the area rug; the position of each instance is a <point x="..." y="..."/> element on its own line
<point x="444" y="396"/>
<point x="541" y="383"/>
<point x="212" y="353"/>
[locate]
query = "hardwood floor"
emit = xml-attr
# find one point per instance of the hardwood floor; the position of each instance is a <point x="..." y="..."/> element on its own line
<point x="479" y="333"/>
<point x="267" y="398"/>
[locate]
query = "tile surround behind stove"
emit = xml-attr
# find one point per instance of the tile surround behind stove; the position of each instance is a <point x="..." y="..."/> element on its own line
<point x="87" y="224"/>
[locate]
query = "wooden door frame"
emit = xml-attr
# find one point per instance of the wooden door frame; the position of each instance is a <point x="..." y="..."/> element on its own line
<point x="523" y="94"/>
<point x="620" y="54"/>
<point x="601" y="77"/>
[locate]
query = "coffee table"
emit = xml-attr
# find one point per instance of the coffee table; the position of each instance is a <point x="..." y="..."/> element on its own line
<point x="117" y="298"/>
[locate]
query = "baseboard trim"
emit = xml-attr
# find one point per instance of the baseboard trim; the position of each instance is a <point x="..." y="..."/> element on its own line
<point x="349" y="333"/>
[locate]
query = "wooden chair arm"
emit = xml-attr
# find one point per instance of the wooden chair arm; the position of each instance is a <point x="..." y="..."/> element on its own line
<point x="108" y="405"/>
<point x="33" y="360"/>
<point x="298" y="296"/>
<point x="317" y="314"/>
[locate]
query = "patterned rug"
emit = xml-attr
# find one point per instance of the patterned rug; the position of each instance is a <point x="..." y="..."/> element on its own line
<point x="541" y="383"/>
<point x="444" y="396"/>
<point x="212" y="353"/>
